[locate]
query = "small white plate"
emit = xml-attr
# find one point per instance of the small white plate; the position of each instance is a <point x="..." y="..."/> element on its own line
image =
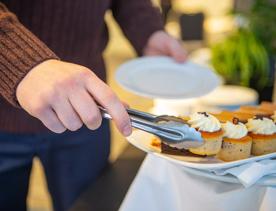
<point x="142" y="140"/>
<point x="162" y="77"/>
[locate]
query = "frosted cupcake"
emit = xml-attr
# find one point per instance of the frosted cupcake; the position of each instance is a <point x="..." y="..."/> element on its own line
<point x="210" y="129"/>
<point x="263" y="132"/>
<point x="236" y="143"/>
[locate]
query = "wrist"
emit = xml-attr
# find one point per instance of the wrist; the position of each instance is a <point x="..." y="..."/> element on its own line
<point x="33" y="70"/>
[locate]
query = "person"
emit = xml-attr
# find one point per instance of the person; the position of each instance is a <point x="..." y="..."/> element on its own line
<point x="48" y="95"/>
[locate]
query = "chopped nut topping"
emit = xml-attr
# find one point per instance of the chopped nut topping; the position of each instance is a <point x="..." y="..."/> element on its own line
<point x="235" y="120"/>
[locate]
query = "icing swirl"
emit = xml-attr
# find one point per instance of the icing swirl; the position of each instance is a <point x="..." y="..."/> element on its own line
<point x="204" y="122"/>
<point x="235" y="131"/>
<point x="263" y="126"/>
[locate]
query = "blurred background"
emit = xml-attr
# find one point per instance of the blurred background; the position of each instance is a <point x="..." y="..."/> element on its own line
<point x="236" y="38"/>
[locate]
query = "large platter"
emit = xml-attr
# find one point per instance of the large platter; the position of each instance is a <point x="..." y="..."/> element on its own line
<point x="142" y="140"/>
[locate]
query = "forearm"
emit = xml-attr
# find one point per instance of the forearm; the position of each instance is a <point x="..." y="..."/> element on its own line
<point x="20" y="51"/>
<point x="138" y="20"/>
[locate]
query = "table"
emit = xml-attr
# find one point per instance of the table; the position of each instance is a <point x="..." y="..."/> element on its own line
<point x="162" y="186"/>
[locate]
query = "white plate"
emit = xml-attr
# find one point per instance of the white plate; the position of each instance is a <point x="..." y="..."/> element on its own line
<point x="162" y="77"/>
<point x="142" y="140"/>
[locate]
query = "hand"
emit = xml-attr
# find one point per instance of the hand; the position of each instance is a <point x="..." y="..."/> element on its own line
<point x="64" y="95"/>
<point x="161" y="43"/>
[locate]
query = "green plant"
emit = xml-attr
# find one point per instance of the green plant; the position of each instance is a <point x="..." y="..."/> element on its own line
<point x="241" y="58"/>
<point x="262" y="22"/>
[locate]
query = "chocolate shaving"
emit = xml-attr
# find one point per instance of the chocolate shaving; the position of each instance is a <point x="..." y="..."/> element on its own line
<point x="204" y="113"/>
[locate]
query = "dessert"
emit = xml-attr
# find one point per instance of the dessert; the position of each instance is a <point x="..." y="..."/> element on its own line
<point x="236" y="143"/>
<point x="271" y="107"/>
<point x="255" y="110"/>
<point x="225" y="116"/>
<point x="211" y="132"/>
<point x="171" y="150"/>
<point x="210" y="129"/>
<point x="230" y="135"/>
<point x="268" y="106"/>
<point x="263" y="132"/>
<point x="167" y="149"/>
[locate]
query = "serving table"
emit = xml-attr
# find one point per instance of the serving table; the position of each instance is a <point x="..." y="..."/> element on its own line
<point x="162" y="186"/>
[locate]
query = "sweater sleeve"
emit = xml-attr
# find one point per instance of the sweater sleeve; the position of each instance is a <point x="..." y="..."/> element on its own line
<point x="138" y="20"/>
<point x="20" y="51"/>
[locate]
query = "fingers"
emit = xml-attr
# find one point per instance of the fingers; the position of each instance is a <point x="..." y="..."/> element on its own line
<point x="125" y="104"/>
<point x="51" y="121"/>
<point x="176" y="51"/>
<point x="87" y="109"/>
<point x="63" y="98"/>
<point x="161" y="43"/>
<point x="104" y="95"/>
<point x="67" y="115"/>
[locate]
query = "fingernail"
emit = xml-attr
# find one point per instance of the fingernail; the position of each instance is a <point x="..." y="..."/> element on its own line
<point x="127" y="130"/>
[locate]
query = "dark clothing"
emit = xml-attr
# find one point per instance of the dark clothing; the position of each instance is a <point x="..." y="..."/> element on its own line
<point x="74" y="30"/>
<point x="71" y="162"/>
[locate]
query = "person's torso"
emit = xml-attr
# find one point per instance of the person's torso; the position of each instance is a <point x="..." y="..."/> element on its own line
<point x="73" y="29"/>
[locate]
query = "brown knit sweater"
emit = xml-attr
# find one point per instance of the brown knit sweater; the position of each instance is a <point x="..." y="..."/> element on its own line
<point x="73" y="29"/>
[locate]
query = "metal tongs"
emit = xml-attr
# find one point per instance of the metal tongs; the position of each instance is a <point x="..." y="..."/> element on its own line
<point x="171" y="130"/>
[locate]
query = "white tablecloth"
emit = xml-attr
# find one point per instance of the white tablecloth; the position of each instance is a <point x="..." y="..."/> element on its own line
<point x="162" y="186"/>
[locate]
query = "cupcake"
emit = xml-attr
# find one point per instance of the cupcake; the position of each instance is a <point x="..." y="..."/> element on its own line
<point x="236" y="143"/>
<point x="263" y="132"/>
<point x="226" y="116"/>
<point x="268" y="106"/>
<point x="255" y="110"/>
<point x="210" y="129"/>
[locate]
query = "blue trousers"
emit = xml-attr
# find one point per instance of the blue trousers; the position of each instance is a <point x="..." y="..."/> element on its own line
<point x="71" y="161"/>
